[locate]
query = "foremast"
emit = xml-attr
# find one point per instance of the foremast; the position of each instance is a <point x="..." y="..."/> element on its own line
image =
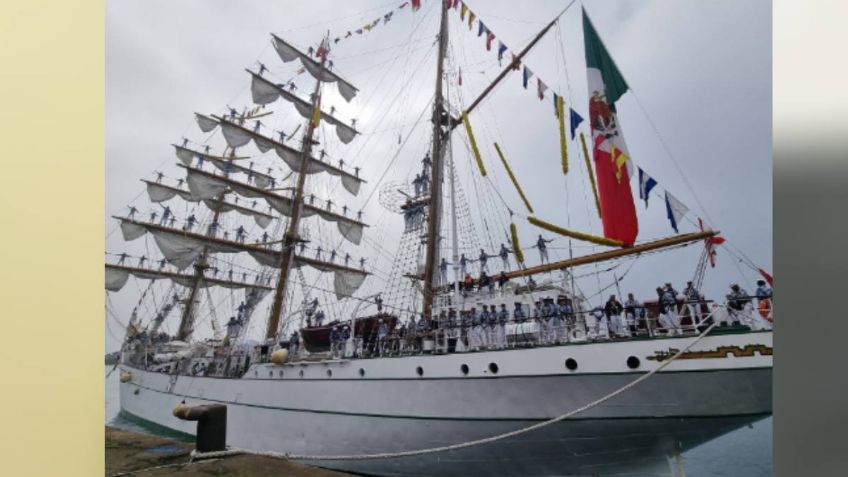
<point x="292" y="236"/>
<point x="437" y="170"/>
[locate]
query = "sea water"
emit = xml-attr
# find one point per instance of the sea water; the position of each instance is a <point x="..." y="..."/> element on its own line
<point x="744" y="452"/>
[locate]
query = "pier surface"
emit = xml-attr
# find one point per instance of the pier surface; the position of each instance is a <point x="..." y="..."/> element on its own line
<point x="143" y="455"/>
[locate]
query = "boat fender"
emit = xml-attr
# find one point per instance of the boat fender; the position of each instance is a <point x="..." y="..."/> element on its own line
<point x="280" y="356"/>
<point x="126" y="377"/>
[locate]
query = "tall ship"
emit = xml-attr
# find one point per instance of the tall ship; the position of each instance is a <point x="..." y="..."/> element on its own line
<point x="447" y="348"/>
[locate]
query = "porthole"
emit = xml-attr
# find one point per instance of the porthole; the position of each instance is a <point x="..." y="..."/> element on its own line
<point x="571" y="364"/>
<point x="420" y="371"/>
<point x="329" y="373"/>
<point x="493" y="368"/>
<point x="464" y="369"/>
<point x="361" y="373"/>
<point x="301" y="373"/>
<point x="632" y="362"/>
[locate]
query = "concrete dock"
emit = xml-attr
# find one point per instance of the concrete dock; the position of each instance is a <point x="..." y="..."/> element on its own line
<point x="143" y="455"/>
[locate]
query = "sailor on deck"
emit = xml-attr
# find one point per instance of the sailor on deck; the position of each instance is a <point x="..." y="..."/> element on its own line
<point x="491" y="329"/>
<point x="382" y="333"/>
<point x="739" y="306"/>
<point x="613" y="310"/>
<point x="693" y="303"/>
<point x="632" y="311"/>
<point x="549" y="311"/>
<point x="421" y="329"/>
<point x="335" y="337"/>
<point x="500" y="330"/>
<point x="663" y="308"/>
<point x="518" y="312"/>
<point x="669" y="299"/>
<point x="602" y="323"/>
<point x="502" y="281"/>
<point x="543" y="249"/>
<point x="294" y="344"/>
<point x="474" y="330"/>
<point x="566" y="311"/>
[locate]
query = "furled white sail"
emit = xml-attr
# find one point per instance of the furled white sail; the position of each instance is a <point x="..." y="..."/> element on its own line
<point x="265" y="92"/>
<point x="181" y="249"/>
<point x="229" y="165"/>
<point x="288" y="53"/>
<point x="238" y="136"/>
<point x="117" y="276"/>
<point x="204" y="185"/>
<point x="161" y="193"/>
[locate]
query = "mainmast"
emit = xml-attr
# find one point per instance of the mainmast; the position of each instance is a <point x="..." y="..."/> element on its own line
<point x="291" y="237"/>
<point x="434" y="218"/>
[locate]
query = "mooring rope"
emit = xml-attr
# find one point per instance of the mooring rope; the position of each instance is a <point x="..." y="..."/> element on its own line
<point x="463" y="445"/>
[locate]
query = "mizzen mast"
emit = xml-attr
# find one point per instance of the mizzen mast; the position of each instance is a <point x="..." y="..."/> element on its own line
<point x="434" y="218"/>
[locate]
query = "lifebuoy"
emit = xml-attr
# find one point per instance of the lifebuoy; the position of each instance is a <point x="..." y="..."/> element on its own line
<point x="765" y="309"/>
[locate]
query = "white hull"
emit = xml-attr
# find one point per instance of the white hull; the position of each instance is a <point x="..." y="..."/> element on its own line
<point x="391" y="408"/>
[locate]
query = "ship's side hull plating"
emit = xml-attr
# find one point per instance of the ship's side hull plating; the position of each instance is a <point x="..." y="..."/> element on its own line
<point x="384" y="405"/>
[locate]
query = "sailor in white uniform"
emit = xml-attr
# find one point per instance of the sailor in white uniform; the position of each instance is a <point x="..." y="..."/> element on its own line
<point x="693" y="303"/>
<point x="669" y="300"/>
<point x="602" y="323"/>
<point x="500" y="329"/>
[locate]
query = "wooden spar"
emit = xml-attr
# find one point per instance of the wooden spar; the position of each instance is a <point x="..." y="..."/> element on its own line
<point x="610" y="254"/>
<point x="512" y="63"/>
<point x="433" y="219"/>
<point x="291" y="237"/>
<point x="177" y="276"/>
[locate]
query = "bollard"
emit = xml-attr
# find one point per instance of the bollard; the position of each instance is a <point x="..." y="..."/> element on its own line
<point x="211" y="425"/>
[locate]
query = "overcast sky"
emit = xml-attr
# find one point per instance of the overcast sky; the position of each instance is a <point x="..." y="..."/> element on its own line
<point x="700" y="70"/>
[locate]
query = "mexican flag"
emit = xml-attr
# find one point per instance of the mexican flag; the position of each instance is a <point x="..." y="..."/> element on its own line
<point x="613" y="166"/>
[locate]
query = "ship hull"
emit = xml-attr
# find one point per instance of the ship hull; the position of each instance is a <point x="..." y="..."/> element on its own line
<point x="331" y="409"/>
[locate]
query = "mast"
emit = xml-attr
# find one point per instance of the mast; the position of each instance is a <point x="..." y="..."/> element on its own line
<point x="291" y="236"/>
<point x="200" y="266"/>
<point x="433" y="220"/>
